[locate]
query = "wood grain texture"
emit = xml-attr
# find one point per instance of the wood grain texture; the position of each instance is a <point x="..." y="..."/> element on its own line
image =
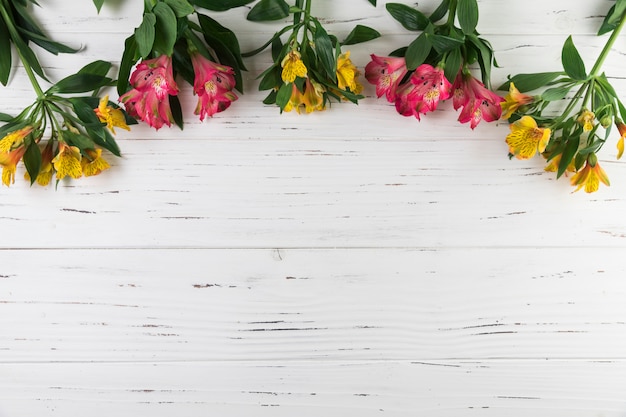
<point x="349" y="262"/>
<point x="308" y="389"/>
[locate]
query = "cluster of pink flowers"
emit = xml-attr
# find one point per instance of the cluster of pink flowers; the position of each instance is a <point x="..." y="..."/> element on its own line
<point x="153" y="83"/>
<point x="427" y="86"/>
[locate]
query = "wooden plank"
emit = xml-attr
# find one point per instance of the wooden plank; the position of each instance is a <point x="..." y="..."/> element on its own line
<point x="311" y="388"/>
<point x="520" y="18"/>
<point x="194" y="305"/>
<point x="315" y="193"/>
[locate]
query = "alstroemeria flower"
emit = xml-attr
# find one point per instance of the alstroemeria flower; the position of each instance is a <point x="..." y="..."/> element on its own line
<point x="213" y="83"/>
<point x="93" y="163"/>
<point x="347" y="74"/>
<point x="553" y="165"/>
<point x="67" y="162"/>
<point x="386" y="73"/>
<point x="153" y="83"/>
<point x="526" y="138"/>
<point x="9" y="161"/>
<point x="621" y="128"/>
<point x="110" y="115"/>
<point x="15" y="138"/>
<point x="426" y="87"/>
<point x="477" y="101"/>
<point x="513" y="101"/>
<point x="585" y="119"/>
<point x="293" y="67"/>
<point x="590" y="176"/>
<point x="312" y="99"/>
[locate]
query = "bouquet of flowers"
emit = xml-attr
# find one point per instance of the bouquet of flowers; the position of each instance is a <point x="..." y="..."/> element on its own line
<point x="309" y="67"/>
<point x="436" y="65"/>
<point x="61" y="134"/>
<point x="570" y="139"/>
<point x="168" y="43"/>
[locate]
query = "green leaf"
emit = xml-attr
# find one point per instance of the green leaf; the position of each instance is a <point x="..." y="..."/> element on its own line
<point x="618" y="13"/>
<point x="418" y="51"/>
<point x="98" y="4"/>
<point x="485" y="57"/>
<point x="145" y="34"/>
<point x="268" y="10"/>
<point x="225" y="36"/>
<point x="271" y="98"/>
<point x="453" y="64"/>
<point x="129" y="57"/>
<point x="361" y="34"/>
<point x="324" y="51"/>
<point x="373" y="2"/>
<point x="530" y="82"/>
<point x="82" y="142"/>
<point x="181" y="8"/>
<point x="568" y="154"/>
<point x="166" y="28"/>
<point x="440" y="11"/>
<point x="467" y="12"/>
<point x="408" y="17"/>
<point x="283" y="95"/>
<point x="29" y="56"/>
<point x="5" y="117"/>
<point x="572" y="62"/>
<point x="605" y="27"/>
<point x="47" y="44"/>
<point x="223" y="51"/>
<point x="555" y="94"/>
<point x="98" y="67"/>
<point x="79" y="83"/>
<point x="5" y="54"/>
<point x="443" y="44"/>
<point x="32" y="161"/>
<point x="220" y="5"/>
<point x="177" y="112"/>
<point x="270" y="80"/>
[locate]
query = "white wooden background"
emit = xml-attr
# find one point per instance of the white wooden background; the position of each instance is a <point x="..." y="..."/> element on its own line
<point x="345" y="263"/>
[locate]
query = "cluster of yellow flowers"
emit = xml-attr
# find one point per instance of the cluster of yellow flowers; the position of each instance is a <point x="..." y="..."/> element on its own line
<point x="58" y="157"/>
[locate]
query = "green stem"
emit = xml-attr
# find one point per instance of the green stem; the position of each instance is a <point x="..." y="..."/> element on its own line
<point x="32" y="78"/>
<point x="451" y="13"/>
<point x="14" y="34"/>
<point x="607" y="48"/>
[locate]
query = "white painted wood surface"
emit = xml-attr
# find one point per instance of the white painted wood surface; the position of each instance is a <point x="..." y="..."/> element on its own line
<point x="351" y="262"/>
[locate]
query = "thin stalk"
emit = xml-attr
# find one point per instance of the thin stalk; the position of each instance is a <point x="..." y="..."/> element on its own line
<point x="607" y="48"/>
<point x="451" y="13"/>
<point x="32" y="77"/>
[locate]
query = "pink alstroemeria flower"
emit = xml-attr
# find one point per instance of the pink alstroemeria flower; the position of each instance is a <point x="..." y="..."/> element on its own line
<point x="478" y="102"/>
<point x="153" y="83"/>
<point x="213" y="84"/>
<point x="386" y="73"/>
<point x="421" y="94"/>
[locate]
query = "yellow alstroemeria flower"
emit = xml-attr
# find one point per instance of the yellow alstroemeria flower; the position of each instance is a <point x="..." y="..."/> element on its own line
<point x="94" y="164"/>
<point x="513" y="101"/>
<point x="293" y="67"/>
<point x="590" y="176"/>
<point x="621" y="128"/>
<point x="586" y="119"/>
<point x="347" y="74"/>
<point x="14" y="138"/>
<point x="553" y="165"/>
<point x="110" y="115"/>
<point x="67" y="162"/>
<point x="9" y="161"/>
<point x="313" y="98"/>
<point x="526" y="138"/>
